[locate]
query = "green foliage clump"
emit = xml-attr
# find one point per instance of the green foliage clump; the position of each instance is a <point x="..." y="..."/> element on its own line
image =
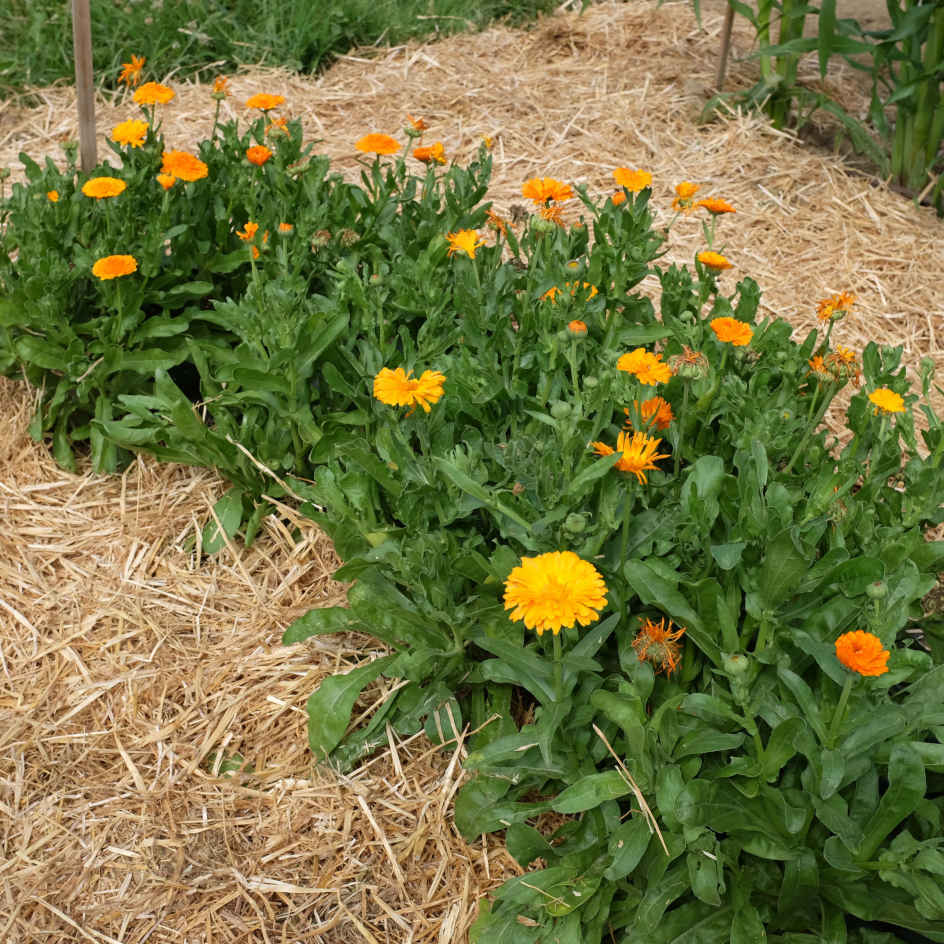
<point x="734" y="780"/>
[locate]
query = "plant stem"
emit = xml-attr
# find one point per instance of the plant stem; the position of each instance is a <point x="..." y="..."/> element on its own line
<point x="681" y="430"/>
<point x="840" y="711"/>
<point x="810" y="429"/>
<point x="558" y="668"/>
<point x="627" y="511"/>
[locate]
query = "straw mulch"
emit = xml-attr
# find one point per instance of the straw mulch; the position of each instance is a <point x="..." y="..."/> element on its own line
<point x="131" y="668"/>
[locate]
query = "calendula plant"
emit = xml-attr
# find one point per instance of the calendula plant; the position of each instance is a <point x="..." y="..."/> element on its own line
<point x="675" y="624"/>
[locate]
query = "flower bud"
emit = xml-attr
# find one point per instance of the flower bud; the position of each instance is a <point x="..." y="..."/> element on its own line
<point x="577" y="329"/>
<point x="575" y="524"/>
<point x="693" y="365"/>
<point x="736" y="664"/>
<point x="877" y="590"/>
<point x="590" y="382"/>
<point x="321" y="238"/>
<point x="561" y="409"/>
<point x="348" y="237"/>
<point x="542" y="226"/>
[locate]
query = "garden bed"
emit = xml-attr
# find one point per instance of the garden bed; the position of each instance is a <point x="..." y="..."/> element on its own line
<point x="134" y="669"/>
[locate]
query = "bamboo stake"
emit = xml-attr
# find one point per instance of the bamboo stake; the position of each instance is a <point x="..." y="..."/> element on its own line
<point x="725" y="46"/>
<point x="85" y="90"/>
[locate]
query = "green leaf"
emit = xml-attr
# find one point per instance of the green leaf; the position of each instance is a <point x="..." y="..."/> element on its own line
<point x="577" y="487"/>
<point x="224" y="523"/>
<point x="477" y="491"/>
<point x="728" y="556"/>
<point x="906" y="786"/>
<point x="627" y="845"/>
<point x="591" y="791"/>
<point x="330" y="619"/>
<point x="331" y="705"/>
<point x="746" y="926"/>
<point x="827" y="32"/>
<point x="784" y="566"/>
<point x="525" y="844"/>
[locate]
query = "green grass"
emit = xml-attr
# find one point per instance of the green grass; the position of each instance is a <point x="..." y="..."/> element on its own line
<point x="207" y="37"/>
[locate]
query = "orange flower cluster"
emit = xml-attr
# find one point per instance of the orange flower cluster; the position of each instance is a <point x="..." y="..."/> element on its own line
<point x="645" y="366"/>
<point x="731" y="331"/>
<point x="153" y="93"/>
<point x="543" y="190"/>
<point x="378" y="144"/>
<point x="835" y="307"/>
<point x="131" y="132"/>
<point x="183" y="165"/>
<point x="684" y="197"/>
<point x="585" y="287"/>
<point x="102" y="187"/>
<point x="265" y="101"/>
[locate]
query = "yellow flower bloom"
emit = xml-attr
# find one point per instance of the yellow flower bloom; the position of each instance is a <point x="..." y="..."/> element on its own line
<point x="554" y="591"/>
<point x="378" y="144"/>
<point x="101" y="187"/>
<point x="658" y="644"/>
<point x="111" y="267"/>
<point x="258" y="154"/>
<point x="264" y="101"/>
<point x="684" y="192"/>
<point x="131" y="71"/>
<point x="713" y="260"/>
<point x="52" y="196"/>
<point x="166" y="180"/>
<point x="132" y="132"/>
<point x="466" y="240"/>
<point x="716" y="206"/>
<point x="429" y="153"/>
<point x="183" y="165"/>
<point x="732" y="331"/>
<point x="398" y="388"/>
<point x="835" y="307"/>
<point x="543" y="189"/>
<point x="248" y="232"/>
<point x="645" y="366"/>
<point x="887" y="401"/>
<point x="632" y="180"/>
<point x="655" y="410"/>
<point x="153" y="93"/>
<point x="862" y="652"/>
<point x="638" y="454"/>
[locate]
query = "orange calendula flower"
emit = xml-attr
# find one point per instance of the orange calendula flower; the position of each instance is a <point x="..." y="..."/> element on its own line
<point x="220" y="91"/>
<point x="544" y="189"/>
<point x="821" y="370"/>
<point x="655" y="410"/>
<point x="101" y="187"/>
<point x="632" y="180"/>
<point x="691" y="364"/>
<point x="131" y="132"/>
<point x="466" y="240"/>
<point x="887" y="401"/>
<point x="862" y="652"/>
<point x="585" y="287"/>
<point x="732" y="331"/>
<point x="153" y="93"/>
<point x="131" y="71"/>
<point x="429" y="153"/>
<point x="497" y="222"/>
<point x="835" y="307"/>
<point x="713" y="260"/>
<point x="398" y="388"/>
<point x="645" y="366"/>
<point x="258" y="154"/>
<point x="112" y="267"/>
<point x="248" y="232"/>
<point x="417" y="124"/>
<point x="553" y="214"/>
<point x="658" y="644"/>
<point x="716" y="206"/>
<point x="52" y="196"/>
<point x="277" y="124"/>
<point x="166" y="180"/>
<point x="684" y="194"/>
<point x="554" y="591"/>
<point x="577" y="328"/>
<point x="184" y="165"/>
<point x="618" y="198"/>
<point x="378" y="144"/>
<point x="285" y="227"/>
<point x="845" y="363"/>
<point x="264" y="101"/>
<point x="638" y="453"/>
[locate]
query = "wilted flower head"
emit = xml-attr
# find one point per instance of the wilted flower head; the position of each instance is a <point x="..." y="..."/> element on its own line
<point x="658" y="644"/>
<point x="153" y="93"/>
<point x="732" y="331"/>
<point x="378" y="144"/>
<point x="554" y="591"/>
<point x="265" y="101"/>
<point x="466" y="240"/>
<point x="887" y="401"/>
<point x="844" y="362"/>
<point x="399" y="388"/>
<point x="183" y="165"/>
<point x="638" y="454"/>
<point x="645" y="366"/>
<point x="101" y="187"/>
<point x="691" y="364"/>
<point x="131" y="132"/>
<point x="862" y="652"/>
<point x="111" y="267"/>
<point x="836" y="307"/>
<point x="544" y="189"/>
<point x="131" y="71"/>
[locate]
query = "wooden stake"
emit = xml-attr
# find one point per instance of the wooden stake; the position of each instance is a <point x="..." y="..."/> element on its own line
<point x="725" y="46"/>
<point x="85" y="90"/>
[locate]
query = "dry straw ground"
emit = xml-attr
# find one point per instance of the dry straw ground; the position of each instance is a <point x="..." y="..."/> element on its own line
<point x="128" y="666"/>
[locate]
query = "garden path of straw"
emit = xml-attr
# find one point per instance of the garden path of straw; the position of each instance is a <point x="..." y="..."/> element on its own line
<point x="127" y="663"/>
